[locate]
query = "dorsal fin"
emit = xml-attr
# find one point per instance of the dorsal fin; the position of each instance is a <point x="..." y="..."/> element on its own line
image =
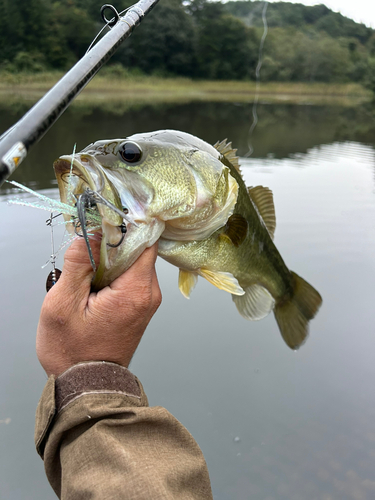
<point x="263" y="199"/>
<point x="230" y="154"/>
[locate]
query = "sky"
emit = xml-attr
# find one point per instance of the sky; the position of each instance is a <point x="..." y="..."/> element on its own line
<point x="362" y="11"/>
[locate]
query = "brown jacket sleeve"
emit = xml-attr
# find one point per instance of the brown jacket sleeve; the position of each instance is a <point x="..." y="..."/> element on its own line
<point x="100" y="440"/>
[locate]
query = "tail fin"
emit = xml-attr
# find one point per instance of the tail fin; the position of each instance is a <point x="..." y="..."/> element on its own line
<point x="293" y="315"/>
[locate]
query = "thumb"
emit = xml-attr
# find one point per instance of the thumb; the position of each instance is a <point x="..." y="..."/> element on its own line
<point x="77" y="272"/>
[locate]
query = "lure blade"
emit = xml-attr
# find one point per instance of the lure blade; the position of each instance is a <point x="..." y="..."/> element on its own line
<point x="52" y="278"/>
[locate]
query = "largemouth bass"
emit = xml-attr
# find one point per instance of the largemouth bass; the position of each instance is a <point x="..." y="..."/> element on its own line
<point x="173" y="187"/>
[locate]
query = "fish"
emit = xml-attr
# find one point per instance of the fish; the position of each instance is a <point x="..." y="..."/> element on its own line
<point x="174" y="188"/>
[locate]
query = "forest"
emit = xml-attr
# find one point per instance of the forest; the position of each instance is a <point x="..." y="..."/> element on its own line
<point x="194" y="38"/>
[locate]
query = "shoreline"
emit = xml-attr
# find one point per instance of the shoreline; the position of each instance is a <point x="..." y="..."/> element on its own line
<point x="138" y="90"/>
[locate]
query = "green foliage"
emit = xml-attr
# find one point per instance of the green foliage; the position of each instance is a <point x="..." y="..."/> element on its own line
<point x="285" y="14"/>
<point x="309" y="43"/>
<point x="27" y="62"/>
<point x="23" y="27"/>
<point x="119" y="72"/>
<point x="164" y="44"/>
<point x="297" y="56"/>
<point x="371" y="45"/>
<point x="193" y="38"/>
<point x="336" y="25"/>
<point x="370" y="76"/>
<point x="225" y="47"/>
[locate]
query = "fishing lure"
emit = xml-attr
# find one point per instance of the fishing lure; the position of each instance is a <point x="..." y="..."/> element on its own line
<point x="55" y="274"/>
<point x="90" y="217"/>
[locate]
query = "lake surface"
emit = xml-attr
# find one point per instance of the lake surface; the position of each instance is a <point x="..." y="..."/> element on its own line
<point x="273" y="424"/>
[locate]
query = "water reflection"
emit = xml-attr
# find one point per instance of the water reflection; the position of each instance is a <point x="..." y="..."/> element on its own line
<point x="305" y="421"/>
<point x="282" y="130"/>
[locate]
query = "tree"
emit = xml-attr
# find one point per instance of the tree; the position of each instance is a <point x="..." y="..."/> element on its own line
<point x="70" y="33"/>
<point x="164" y="44"/>
<point x="23" y="27"/>
<point x="226" y="48"/>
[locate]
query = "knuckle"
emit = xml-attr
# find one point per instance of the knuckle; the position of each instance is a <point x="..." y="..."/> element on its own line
<point x="157" y="298"/>
<point x="142" y="299"/>
<point x="55" y="309"/>
<point x="144" y="293"/>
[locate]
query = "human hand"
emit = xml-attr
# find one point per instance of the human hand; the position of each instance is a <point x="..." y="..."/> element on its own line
<point x="77" y="325"/>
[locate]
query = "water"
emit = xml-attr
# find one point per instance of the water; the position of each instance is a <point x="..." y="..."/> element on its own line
<point x="273" y="424"/>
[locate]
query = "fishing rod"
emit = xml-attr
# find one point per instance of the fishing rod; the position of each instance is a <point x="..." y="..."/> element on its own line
<point x="16" y="142"/>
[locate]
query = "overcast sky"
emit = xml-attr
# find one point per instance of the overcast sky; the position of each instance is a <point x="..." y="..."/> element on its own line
<point x="362" y="11"/>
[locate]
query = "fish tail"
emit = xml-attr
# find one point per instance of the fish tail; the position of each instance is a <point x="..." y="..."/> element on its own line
<point x="293" y="315"/>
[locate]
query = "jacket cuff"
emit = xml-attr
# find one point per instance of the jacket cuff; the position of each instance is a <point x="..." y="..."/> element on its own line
<point x="93" y="378"/>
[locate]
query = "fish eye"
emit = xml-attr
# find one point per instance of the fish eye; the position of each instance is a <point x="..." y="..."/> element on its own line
<point x="130" y="152"/>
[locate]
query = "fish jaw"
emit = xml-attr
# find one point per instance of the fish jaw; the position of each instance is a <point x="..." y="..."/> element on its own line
<point x="118" y="260"/>
<point x="77" y="174"/>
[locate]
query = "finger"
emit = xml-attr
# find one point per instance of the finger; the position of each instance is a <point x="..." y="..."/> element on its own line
<point x="155" y="290"/>
<point x="140" y="271"/>
<point x="77" y="272"/>
<point x="148" y="258"/>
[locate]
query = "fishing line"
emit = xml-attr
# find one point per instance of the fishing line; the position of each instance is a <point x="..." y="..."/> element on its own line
<point x="257" y="80"/>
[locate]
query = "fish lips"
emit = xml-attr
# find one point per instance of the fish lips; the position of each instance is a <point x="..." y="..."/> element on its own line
<point x="79" y="173"/>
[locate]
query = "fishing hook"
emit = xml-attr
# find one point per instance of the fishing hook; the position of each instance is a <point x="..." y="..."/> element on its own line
<point x="123" y="231"/>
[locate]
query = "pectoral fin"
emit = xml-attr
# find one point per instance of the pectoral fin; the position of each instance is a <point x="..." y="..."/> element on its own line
<point x="235" y="229"/>
<point x="224" y="281"/>
<point x="186" y="282"/>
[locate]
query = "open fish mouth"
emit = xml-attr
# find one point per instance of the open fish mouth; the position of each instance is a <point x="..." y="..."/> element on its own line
<point x="83" y="184"/>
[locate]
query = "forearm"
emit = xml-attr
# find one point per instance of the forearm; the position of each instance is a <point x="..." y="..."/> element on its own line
<point x="100" y="440"/>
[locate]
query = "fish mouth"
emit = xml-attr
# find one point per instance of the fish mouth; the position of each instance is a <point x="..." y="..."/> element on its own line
<point x="83" y="184"/>
<point x="75" y="174"/>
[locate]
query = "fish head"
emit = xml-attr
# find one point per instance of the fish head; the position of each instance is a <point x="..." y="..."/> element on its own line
<point x="166" y="174"/>
<point x="166" y="181"/>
